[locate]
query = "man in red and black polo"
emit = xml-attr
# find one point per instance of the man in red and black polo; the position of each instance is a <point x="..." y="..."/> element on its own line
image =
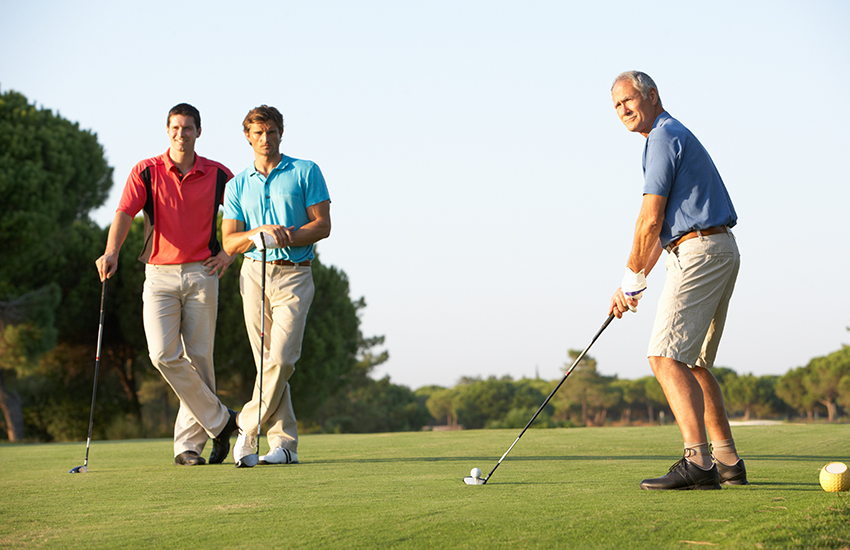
<point x="180" y="192"/>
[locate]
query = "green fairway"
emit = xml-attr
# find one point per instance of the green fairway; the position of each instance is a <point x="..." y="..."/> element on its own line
<point x="560" y="488"/>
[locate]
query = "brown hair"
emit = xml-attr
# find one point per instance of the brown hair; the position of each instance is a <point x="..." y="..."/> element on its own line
<point x="184" y="109"/>
<point x="264" y="114"/>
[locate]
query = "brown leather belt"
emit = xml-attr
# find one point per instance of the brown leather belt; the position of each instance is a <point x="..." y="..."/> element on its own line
<point x="688" y="236"/>
<point x="305" y="263"/>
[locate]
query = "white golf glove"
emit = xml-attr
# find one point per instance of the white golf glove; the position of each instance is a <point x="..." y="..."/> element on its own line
<point x="260" y="237"/>
<point x="633" y="285"/>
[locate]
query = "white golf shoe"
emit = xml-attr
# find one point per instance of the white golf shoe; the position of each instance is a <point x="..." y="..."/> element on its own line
<point x="279" y="455"/>
<point x="246" y="444"/>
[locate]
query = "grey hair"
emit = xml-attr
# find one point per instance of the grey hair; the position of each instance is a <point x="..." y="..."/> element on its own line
<point x="641" y="81"/>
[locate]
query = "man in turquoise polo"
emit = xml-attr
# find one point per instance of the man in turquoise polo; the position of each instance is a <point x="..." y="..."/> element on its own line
<point x="287" y="200"/>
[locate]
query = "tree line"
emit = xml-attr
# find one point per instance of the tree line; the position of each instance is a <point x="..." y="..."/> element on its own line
<point x="52" y="174"/>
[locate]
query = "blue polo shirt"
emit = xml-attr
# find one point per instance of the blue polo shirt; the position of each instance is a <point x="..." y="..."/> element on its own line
<point x="677" y="166"/>
<point x="281" y="198"/>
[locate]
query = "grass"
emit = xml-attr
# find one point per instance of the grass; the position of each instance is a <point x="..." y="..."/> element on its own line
<point x="560" y="488"/>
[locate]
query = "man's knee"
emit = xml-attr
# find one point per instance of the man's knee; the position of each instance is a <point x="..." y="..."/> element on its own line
<point x="664" y="364"/>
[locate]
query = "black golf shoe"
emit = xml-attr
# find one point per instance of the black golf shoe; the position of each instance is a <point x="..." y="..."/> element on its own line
<point x="189" y="458"/>
<point x="221" y="444"/>
<point x="684" y="475"/>
<point x="735" y="474"/>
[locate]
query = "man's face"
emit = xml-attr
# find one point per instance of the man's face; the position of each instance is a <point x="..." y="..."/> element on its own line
<point x="264" y="138"/>
<point x="183" y="133"/>
<point x="636" y="112"/>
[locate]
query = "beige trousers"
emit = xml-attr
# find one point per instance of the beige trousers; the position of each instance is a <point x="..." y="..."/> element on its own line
<point x="180" y="308"/>
<point x="289" y="293"/>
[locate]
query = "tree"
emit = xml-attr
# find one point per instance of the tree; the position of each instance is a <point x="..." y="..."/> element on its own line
<point x="482" y="401"/>
<point x="440" y="403"/>
<point x="631" y="393"/>
<point x="791" y="388"/>
<point x="750" y="395"/>
<point x="26" y="332"/>
<point x="52" y="174"/>
<point x="591" y="390"/>
<point x="374" y="406"/>
<point x="823" y="376"/>
<point x="654" y="398"/>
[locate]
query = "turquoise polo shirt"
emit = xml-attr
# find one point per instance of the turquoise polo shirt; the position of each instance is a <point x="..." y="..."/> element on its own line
<point x="677" y="166"/>
<point x="282" y="198"/>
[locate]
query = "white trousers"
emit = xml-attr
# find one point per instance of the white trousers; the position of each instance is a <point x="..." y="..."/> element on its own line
<point x="180" y="308"/>
<point x="289" y="293"/>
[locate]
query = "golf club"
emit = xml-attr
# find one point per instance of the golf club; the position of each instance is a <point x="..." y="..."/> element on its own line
<point x="249" y="461"/>
<point x="476" y="479"/>
<point x="85" y="467"/>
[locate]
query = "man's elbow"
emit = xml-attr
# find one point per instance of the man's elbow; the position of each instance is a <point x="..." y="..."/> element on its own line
<point x="229" y="247"/>
<point x="326" y="230"/>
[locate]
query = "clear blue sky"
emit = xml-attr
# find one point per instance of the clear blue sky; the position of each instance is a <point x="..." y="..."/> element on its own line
<point x="484" y="191"/>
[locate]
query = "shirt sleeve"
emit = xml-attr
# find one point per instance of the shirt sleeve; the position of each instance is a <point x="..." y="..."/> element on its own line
<point x="316" y="190"/>
<point x="134" y="196"/>
<point x="232" y="204"/>
<point x="662" y="157"/>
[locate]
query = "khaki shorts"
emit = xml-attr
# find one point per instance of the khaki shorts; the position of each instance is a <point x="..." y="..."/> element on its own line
<point x="701" y="274"/>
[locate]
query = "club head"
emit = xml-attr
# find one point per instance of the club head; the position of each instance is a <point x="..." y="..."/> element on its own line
<point x="469" y="480"/>
<point x="248" y="461"/>
<point x="79" y="470"/>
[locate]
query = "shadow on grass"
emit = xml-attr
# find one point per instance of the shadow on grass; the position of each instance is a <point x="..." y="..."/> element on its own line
<point x="749" y="457"/>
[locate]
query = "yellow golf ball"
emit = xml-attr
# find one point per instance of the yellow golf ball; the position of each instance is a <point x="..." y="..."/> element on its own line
<point x="835" y="477"/>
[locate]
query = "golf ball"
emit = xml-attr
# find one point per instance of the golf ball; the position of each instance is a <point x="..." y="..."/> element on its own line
<point x="475" y="472"/>
<point x="835" y="477"/>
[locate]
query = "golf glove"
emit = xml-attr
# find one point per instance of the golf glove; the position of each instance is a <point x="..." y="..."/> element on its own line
<point x="633" y="285"/>
<point x="260" y="237"/>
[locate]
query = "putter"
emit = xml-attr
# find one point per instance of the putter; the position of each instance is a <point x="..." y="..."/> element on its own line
<point x="249" y="461"/>
<point x="475" y="480"/>
<point x="85" y="467"/>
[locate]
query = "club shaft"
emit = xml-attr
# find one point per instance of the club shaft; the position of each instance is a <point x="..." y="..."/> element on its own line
<point x="262" y="341"/>
<point x="546" y="402"/>
<point x="96" y="368"/>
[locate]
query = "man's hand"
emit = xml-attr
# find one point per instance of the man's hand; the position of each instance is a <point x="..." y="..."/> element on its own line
<point x="282" y="235"/>
<point x="619" y="304"/>
<point x="632" y="287"/>
<point x="106" y="266"/>
<point x="263" y="240"/>
<point x="220" y="262"/>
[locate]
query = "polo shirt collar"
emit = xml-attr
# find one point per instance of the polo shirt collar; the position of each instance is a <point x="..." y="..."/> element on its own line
<point x="284" y="162"/>
<point x="199" y="166"/>
<point x="664" y="115"/>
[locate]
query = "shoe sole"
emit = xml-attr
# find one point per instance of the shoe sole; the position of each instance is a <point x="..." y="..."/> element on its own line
<point x="693" y="488"/>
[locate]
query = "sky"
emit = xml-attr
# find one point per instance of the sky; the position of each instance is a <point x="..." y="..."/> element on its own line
<point x="484" y="192"/>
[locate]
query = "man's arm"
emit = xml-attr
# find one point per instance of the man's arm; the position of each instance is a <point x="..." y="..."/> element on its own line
<point x="237" y="240"/>
<point x="107" y="264"/>
<point x="318" y="228"/>
<point x="646" y="248"/>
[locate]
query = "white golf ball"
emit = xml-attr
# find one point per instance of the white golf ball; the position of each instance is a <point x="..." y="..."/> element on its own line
<point x="475" y="472"/>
